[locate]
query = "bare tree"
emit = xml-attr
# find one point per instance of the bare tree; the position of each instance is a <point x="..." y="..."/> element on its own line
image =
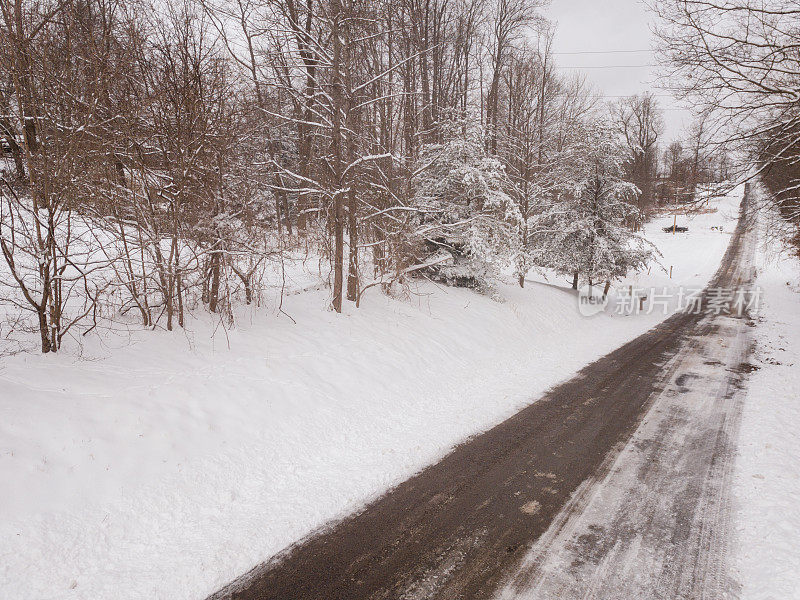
<point x="58" y="82"/>
<point x="510" y="20"/>
<point x="640" y="122"/>
<point x="737" y="62"/>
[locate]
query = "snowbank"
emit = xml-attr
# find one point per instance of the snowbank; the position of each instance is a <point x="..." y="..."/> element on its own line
<point x="767" y="482"/>
<point x="164" y="465"/>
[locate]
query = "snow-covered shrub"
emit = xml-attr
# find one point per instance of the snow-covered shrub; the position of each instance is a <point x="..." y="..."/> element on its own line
<point x="585" y="229"/>
<point x="464" y="209"/>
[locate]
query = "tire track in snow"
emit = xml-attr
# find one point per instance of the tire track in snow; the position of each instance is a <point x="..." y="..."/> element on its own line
<point x="658" y="523"/>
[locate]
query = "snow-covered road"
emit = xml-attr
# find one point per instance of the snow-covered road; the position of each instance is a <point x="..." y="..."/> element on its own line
<point x="657" y="523"/>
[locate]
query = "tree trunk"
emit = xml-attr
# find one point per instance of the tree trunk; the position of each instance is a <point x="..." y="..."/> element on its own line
<point x="179" y="292"/>
<point x="575" y="281"/>
<point x="278" y="216"/>
<point x="353" y="123"/>
<point x="213" y="290"/>
<point x="524" y="241"/>
<point x="352" y="272"/>
<point x="16" y="151"/>
<point x="286" y="215"/>
<point x="492" y="108"/>
<point x="168" y="297"/>
<point x="44" y="330"/>
<point x="303" y="33"/>
<point x="338" y="259"/>
<point x="337" y="97"/>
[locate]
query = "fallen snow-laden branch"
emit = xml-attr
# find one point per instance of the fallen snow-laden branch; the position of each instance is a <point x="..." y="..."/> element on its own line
<point x="401" y="273"/>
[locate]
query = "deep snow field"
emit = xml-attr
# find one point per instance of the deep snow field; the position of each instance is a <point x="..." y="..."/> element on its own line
<point x="767" y="480"/>
<point x="161" y="465"/>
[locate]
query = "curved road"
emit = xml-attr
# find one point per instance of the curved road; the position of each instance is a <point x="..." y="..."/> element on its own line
<point x="612" y="485"/>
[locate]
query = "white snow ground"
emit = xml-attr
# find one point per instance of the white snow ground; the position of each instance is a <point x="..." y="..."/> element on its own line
<point x="767" y="483"/>
<point x="164" y="465"/>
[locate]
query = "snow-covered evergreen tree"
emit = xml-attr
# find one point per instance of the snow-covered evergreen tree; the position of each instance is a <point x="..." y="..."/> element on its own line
<point x="467" y="220"/>
<point x="584" y="231"/>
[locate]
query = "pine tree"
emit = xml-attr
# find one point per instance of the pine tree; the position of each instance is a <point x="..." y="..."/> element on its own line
<point x="585" y="230"/>
<point x="466" y="213"/>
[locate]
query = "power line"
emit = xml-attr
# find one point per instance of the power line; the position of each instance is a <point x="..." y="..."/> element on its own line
<point x="629" y="95"/>
<point x="604" y="66"/>
<point x="602" y="52"/>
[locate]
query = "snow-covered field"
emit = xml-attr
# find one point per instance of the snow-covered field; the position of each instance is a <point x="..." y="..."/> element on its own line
<point x="162" y="465"/>
<point x="767" y="484"/>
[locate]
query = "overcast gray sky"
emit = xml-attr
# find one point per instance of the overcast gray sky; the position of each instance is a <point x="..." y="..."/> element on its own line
<point x="610" y="41"/>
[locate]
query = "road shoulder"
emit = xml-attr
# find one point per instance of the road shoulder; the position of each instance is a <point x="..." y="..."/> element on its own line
<point x="767" y="484"/>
